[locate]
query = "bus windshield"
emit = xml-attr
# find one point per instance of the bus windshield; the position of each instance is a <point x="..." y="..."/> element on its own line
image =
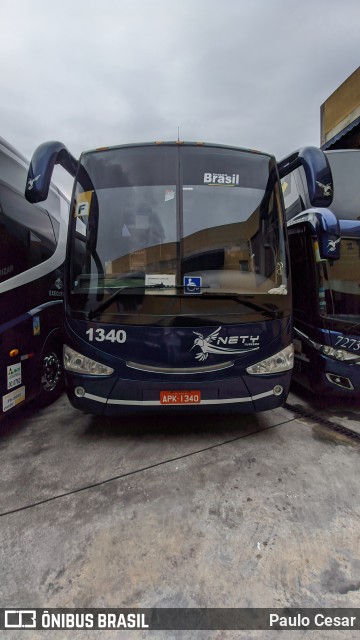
<point x="146" y="219"/>
<point x="340" y="280"/>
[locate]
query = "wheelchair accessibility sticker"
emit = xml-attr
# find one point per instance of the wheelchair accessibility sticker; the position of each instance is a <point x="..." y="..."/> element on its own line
<point x="192" y="284"/>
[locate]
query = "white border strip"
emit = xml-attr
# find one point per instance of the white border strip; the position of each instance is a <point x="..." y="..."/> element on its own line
<point x="48" y="266"/>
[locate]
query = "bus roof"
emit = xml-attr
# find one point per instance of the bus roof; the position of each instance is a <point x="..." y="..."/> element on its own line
<point x="178" y="143"/>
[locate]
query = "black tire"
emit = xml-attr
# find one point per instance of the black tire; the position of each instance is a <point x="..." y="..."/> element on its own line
<point x="51" y="374"/>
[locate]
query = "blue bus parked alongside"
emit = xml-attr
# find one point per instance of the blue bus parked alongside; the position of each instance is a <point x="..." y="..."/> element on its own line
<point x="325" y="262"/>
<point x="178" y="288"/>
<point x="32" y="255"/>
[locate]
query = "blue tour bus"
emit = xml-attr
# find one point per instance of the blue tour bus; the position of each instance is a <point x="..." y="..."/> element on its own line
<point x="178" y="288"/>
<point x="32" y="254"/>
<point x="325" y="263"/>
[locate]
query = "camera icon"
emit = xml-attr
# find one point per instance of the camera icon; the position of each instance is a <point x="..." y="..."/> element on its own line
<point x="20" y="619"/>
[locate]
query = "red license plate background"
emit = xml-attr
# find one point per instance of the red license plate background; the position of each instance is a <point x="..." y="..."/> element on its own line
<point x="180" y="397"/>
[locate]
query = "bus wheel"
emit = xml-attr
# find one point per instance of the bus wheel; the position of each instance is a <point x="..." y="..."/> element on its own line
<point x="51" y="376"/>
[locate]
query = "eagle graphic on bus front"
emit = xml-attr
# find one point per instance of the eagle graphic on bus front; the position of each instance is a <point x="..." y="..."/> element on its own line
<point x="208" y="345"/>
<point x="332" y="244"/>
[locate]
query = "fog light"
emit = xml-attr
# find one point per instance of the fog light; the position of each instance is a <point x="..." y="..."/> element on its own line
<point x="340" y="381"/>
<point x="79" y="392"/>
<point x="278" y="390"/>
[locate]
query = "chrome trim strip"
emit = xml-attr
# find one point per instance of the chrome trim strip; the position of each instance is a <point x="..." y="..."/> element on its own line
<point x="45" y="305"/>
<point x="180" y="370"/>
<point x="90" y="396"/>
<point x="156" y="403"/>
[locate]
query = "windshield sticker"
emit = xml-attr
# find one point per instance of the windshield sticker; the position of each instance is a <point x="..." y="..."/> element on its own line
<point x="213" y="344"/>
<point x="83" y="201"/>
<point x="192" y="284"/>
<point x="224" y="179"/>
<point x="169" y="195"/>
<point x="160" y="280"/>
<point x="317" y="252"/>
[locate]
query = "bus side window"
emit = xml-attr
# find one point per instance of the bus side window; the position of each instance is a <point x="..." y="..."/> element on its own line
<point x="26" y="234"/>
<point x="13" y="254"/>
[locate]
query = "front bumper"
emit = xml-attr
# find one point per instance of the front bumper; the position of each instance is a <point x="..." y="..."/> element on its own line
<point x="115" y="396"/>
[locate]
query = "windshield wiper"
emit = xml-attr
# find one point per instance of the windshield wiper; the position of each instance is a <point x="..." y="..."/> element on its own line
<point x="270" y="313"/>
<point x="126" y="289"/>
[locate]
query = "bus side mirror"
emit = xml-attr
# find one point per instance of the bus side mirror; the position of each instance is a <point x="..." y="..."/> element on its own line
<point x="325" y="225"/>
<point x="41" y="168"/>
<point x="317" y="172"/>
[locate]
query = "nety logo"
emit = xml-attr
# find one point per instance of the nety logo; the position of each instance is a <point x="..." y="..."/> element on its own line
<point x="213" y="344"/>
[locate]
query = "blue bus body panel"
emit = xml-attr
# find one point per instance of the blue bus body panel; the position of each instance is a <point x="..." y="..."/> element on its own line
<point x="22" y="343"/>
<point x="209" y="359"/>
<point x="318" y="372"/>
<point x="322" y="374"/>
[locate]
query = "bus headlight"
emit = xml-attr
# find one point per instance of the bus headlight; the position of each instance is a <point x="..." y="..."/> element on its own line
<point x="77" y="363"/>
<point x="282" y="361"/>
<point x="337" y="354"/>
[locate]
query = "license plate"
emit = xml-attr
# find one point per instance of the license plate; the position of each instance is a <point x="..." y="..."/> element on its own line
<point x="180" y="397"/>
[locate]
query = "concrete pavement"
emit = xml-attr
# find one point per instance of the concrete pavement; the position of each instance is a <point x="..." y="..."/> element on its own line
<point x="235" y="511"/>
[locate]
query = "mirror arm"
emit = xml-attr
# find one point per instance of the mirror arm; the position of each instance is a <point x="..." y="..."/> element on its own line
<point x="41" y="168"/>
<point x="317" y="172"/>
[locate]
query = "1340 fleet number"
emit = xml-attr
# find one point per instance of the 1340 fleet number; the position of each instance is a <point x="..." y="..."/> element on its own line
<point x="112" y="336"/>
